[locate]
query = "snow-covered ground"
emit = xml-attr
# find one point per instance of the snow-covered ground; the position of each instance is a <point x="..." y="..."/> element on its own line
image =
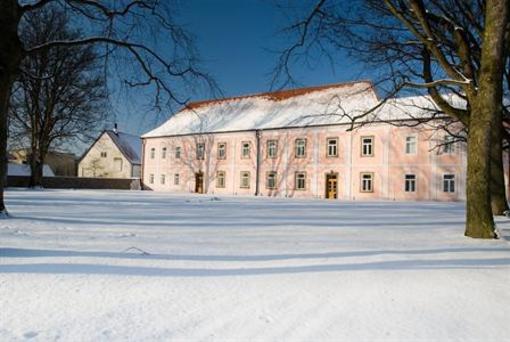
<point x="231" y="268"/>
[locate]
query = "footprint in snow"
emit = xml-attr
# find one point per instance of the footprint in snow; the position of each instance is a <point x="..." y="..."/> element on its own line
<point x="30" y="334"/>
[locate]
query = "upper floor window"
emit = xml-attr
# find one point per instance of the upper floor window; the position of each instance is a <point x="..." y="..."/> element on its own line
<point x="222" y="150"/>
<point x="367" y="146"/>
<point x="410" y="183"/>
<point x="300" y="148"/>
<point x="162" y="179"/>
<point x="176" y="179"/>
<point x="448" y="183"/>
<point x="245" y="179"/>
<point x="245" y="149"/>
<point x="103" y="154"/>
<point x="300" y="181"/>
<point x="153" y="153"/>
<point x="177" y="152"/>
<point x="411" y="144"/>
<point x="332" y="147"/>
<point x="220" y="179"/>
<point x="367" y="182"/>
<point x="200" y="150"/>
<point x="448" y="144"/>
<point x="272" y="148"/>
<point x="163" y="153"/>
<point x="271" y="180"/>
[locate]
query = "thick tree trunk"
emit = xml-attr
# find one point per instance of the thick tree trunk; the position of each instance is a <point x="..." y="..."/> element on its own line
<point x="486" y="104"/>
<point x="36" y="172"/>
<point x="10" y="58"/>
<point x="498" y="192"/>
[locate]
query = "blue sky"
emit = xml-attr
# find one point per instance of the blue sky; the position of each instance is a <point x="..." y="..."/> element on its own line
<point x="237" y="40"/>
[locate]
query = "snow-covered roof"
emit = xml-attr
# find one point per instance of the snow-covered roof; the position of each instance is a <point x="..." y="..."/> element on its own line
<point x="14" y="169"/>
<point x="325" y="105"/>
<point x="130" y="145"/>
<point x="287" y="108"/>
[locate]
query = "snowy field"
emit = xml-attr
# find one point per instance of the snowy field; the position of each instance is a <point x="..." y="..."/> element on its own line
<point x="114" y="265"/>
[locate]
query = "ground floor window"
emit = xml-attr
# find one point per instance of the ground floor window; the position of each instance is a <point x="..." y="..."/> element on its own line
<point x="245" y="179"/>
<point x="367" y="182"/>
<point x="448" y="183"/>
<point x="410" y="183"/>
<point x="300" y="181"/>
<point x="271" y="180"/>
<point x="176" y="179"/>
<point x="220" y="179"/>
<point x="151" y="178"/>
<point x="163" y="179"/>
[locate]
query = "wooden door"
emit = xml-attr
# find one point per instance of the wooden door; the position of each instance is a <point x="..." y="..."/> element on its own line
<point x="331" y="186"/>
<point x="199" y="183"/>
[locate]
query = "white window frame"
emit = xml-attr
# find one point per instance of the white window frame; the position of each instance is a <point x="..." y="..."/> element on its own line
<point x="410" y="182"/>
<point x="449" y="185"/>
<point x="272" y="148"/>
<point x="271" y="176"/>
<point x="367" y="146"/>
<point x="163" y="153"/>
<point x="300" y="176"/>
<point x="245" y="149"/>
<point x="221" y="179"/>
<point x="330" y="148"/>
<point x="366" y="182"/>
<point x="121" y="163"/>
<point x="300" y="148"/>
<point x="222" y="150"/>
<point x="411" y="144"/>
<point x="162" y="179"/>
<point x="200" y="151"/>
<point x="177" y="152"/>
<point x="176" y="179"/>
<point x="245" y="180"/>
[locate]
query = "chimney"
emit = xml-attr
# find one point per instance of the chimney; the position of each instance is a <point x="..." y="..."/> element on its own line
<point x="115" y="128"/>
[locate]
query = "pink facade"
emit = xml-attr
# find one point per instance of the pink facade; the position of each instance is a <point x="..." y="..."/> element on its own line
<point x="377" y="161"/>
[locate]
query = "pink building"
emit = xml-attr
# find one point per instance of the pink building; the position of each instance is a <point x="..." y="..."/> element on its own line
<point x="299" y="143"/>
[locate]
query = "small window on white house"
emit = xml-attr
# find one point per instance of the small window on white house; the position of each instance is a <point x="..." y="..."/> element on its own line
<point x="153" y="153"/>
<point x="448" y="144"/>
<point x="332" y="147"/>
<point x="176" y="179"/>
<point x="117" y="162"/>
<point x="220" y="179"/>
<point x="245" y="179"/>
<point x="272" y="148"/>
<point x="367" y="182"/>
<point x="300" y="148"/>
<point x="410" y="183"/>
<point x="300" y="181"/>
<point x="151" y="178"/>
<point x="271" y="180"/>
<point x="200" y="150"/>
<point x="448" y="183"/>
<point x="367" y="146"/>
<point x="163" y="153"/>
<point x="163" y="179"/>
<point x="222" y="150"/>
<point x="103" y="154"/>
<point x="177" y="152"/>
<point x="411" y="144"/>
<point x="245" y="149"/>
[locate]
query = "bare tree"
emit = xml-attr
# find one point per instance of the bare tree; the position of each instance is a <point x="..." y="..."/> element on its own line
<point x="59" y="95"/>
<point x="140" y="37"/>
<point x="437" y="46"/>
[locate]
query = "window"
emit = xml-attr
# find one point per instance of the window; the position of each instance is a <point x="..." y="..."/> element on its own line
<point x="300" y="181"/>
<point x="332" y="147"/>
<point x="162" y="179"/>
<point x="367" y="180"/>
<point x="245" y="179"/>
<point x="200" y="150"/>
<point x="271" y="180"/>
<point x="300" y="148"/>
<point x="245" y="149"/>
<point x="449" y="183"/>
<point x="410" y="183"/>
<point x="448" y="144"/>
<point x="117" y="162"/>
<point x="272" y="148"/>
<point x="103" y="154"/>
<point x="222" y="150"/>
<point x="163" y="153"/>
<point x="178" y="152"/>
<point x="153" y="153"/>
<point x="367" y="146"/>
<point x="220" y="179"/>
<point x="411" y="145"/>
<point x="151" y="178"/>
<point x="176" y="179"/>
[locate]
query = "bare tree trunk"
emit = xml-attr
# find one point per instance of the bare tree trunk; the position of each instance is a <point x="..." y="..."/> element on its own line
<point x="498" y="192"/>
<point x="10" y="58"/>
<point x="486" y="104"/>
<point x="36" y="172"/>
